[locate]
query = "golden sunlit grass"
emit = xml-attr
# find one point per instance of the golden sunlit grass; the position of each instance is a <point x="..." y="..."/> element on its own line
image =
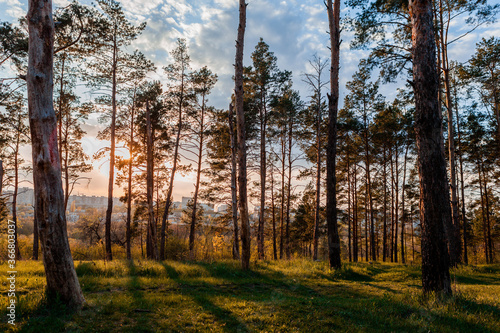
<point x="291" y="296"/>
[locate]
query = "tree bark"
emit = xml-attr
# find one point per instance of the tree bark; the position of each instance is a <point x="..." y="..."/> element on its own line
<point x="109" y="210"/>
<point x="384" y="237"/>
<point x="331" y="152"/>
<point x="462" y="187"/>
<point x="318" y="176"/>
<point x="454" y="245"/>
<point x="434" y="205"/>
<point x="484" y="213"/>
<point x="129" y="187"/>
<point x="289" y="188"/>
<point x="282" y="210"/>
<point x="242" y="151"/>
<point x="198" y="174"/>
<point x="403" y="213"/>
<point x="263" y="174"/>
<point x="152" y="239"/>
<point x="234" y="190"/>
<point x="275" y="252"/>
<point x="49" y="198"/>
<point x="14" y="195"/>
<point x="168" y="202"/>
<point x="355" y="215"/>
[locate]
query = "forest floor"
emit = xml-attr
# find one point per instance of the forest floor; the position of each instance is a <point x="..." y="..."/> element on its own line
<point x="286" y="296"/>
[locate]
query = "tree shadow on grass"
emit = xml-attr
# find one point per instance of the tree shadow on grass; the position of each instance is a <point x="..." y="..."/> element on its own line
<point x="140" y="306"/>
<point x="228" y="321"/>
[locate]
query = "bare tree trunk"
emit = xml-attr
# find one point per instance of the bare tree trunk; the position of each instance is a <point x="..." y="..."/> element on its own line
<point x="384" y="237"/>
<point x="369" y="195"/>
<point x="168" y="202"/>
<point x="275" y="252"/>
<point x="392" y="207"/>
<point x="289" y="188"/>
<point x="242" y="149"/>
<point x="355" y="214"/>
<point x="109" y="210"/>
<point x="434" y="205"/>
<point x="282" y="211"/>
<point x="331" y="152"/>
<point x="234" y="190"/>
<point x="488" y="224"/>
<point x="318" y="177"/>
<point x="14" y="195"/>
<point x="349" y="208"/>
<point x="263" y="174"/>
<point x="484" y="214"/>
<point x="403" y="213"/>
<point x="396" y="205"/>
<point x="454" y="245"/>
<point x="198" y="174"/>
<point x="152" y="240"/>
<point x="412" y="234"/>
<point x="462" y="186"/>
<point x="49" y="198"/>
<point x="129" y="187"/>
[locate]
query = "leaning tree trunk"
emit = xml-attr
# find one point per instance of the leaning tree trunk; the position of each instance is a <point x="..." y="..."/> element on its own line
<point x="60" y="272"/>
<point x="331" y="151"/>
<point x="434" y="203"/>
<point x="242" y="151"/>
<point x="234" y="191"/>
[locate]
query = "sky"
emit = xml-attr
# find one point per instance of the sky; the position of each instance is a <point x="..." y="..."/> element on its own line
<point x="295" y="31"/>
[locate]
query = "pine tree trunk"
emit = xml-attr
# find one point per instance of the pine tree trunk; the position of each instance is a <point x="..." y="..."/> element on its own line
<point x="109" y="210"/>
<point x="234" y="190"/>
<point x="403" y="214"/>
<point x="462" y="186"/>
<point x="262" y="213"/>
<point x="454" y="245"/>
<point x="392" y="207"/>
<point x="275" y="251"/>
<point x="14" y="195"/>
<point x="168" y="201"/>
<point x="331" y="152"/>
<point x="484" y="214"/>
<point x="355" y="214"/>
<point x="129" y="186"/>
<point x="289" y="189"/>
<point x="488" y="224"/>
<point x="49" y="199"/>
<point x="242" y="151"/>
<point x="197" y="185"/>
<point x="152" y="240"/>
<point x="349" y="228"/>
<point x="282" y="211"/>
<point x="318" y="181"/>
<point x="396" y="205"/>
<point x="384" y="180"/>
<point x="434" y="205"/>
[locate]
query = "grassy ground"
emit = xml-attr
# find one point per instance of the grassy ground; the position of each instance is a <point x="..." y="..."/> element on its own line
<point x="294" y="296"/>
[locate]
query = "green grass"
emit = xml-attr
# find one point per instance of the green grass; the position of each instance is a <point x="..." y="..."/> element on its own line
<point x="288" y="296"/>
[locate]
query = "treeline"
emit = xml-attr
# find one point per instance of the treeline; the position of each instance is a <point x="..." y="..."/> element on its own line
<point x="170" y="127"/>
